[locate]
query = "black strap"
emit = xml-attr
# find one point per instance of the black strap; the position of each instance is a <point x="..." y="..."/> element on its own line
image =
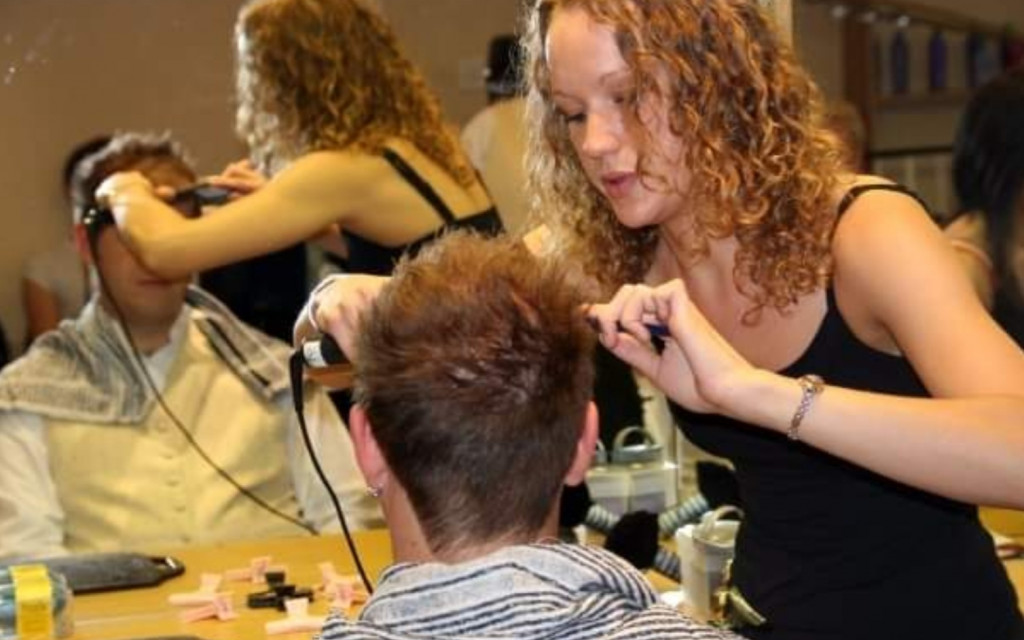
<point x="420" y="185"/>
<point x="855" y="192"/>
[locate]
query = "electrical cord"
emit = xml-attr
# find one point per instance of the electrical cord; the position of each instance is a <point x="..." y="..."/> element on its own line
<point x="295" y="369"/>
<point x="93" y="234"/>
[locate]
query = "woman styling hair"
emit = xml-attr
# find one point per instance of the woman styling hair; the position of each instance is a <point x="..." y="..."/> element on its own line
<point x="345" y="124"/>
<point x="823" y="336"/>
<point x="817" y="318"/>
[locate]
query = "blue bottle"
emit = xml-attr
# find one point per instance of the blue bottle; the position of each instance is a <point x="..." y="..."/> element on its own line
<point x="937" y="62"/>
<point x="899" y="61"/>
<point x="973" y="45"/>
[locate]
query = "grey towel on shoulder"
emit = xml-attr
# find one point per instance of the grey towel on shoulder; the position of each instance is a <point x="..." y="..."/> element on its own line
<point x="85" y="370"/>
<point x="527" y="592"/>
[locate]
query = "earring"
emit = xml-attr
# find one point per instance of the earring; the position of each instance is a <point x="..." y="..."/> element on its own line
<point x="375" y="491"/>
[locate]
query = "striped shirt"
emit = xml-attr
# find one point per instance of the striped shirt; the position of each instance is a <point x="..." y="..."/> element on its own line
<point x="529" y="591"/>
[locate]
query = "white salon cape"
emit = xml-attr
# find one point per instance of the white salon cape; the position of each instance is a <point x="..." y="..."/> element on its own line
<point x="80" y="487"/>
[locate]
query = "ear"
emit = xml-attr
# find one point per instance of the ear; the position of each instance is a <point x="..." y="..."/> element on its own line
<point x="80" y="236"/>
<point x="584" y="448"/>
<point x="368" y="454"/>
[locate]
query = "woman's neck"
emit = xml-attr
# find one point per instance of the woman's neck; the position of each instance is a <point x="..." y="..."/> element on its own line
<point x="713" y="270"/>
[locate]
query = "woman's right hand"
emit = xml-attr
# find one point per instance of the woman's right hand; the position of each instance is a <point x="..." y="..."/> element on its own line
<point x="698" y="368"/>
<point x="240" y="177"/>
<point x="336" y="306"/>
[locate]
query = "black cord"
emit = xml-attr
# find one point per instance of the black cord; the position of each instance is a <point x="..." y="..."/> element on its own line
<point x="93" y="233"/>
<point x="295" y="369"/>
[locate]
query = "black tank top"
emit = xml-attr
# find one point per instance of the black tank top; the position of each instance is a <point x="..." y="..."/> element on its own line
<point x="829" y="550"/>
<point x="366" y="256"/>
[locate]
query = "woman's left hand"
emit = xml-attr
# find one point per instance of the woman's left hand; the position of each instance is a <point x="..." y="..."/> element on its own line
<point x="698" y="368"/>
<point x="116" y="187"/>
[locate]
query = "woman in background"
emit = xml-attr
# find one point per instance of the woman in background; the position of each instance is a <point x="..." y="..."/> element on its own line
<point x="54" y="284"/>
<point x="348" y="130"/>
<point x="988" y="175"/>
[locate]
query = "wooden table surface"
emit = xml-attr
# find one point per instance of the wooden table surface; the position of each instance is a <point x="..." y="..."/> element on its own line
<point x="140" y="613"/>
<point x="1009" y="523"/>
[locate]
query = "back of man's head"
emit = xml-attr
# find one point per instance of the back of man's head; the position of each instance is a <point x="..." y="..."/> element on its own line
<point x="126" y="152"/>
<point x="474" y="367"/>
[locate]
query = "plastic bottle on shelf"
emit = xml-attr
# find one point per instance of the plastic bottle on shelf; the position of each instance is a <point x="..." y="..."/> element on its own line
<point x="937" y="62"/>
<point x="982" y="63"/>
<point x="899" y="62"/>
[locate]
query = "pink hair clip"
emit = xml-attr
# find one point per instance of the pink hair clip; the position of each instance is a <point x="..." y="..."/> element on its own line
<point x="205" y="594"/>
<point x="298" y="619"/>
<point x="220" y="607"/>
<point x="341" y="591"/>
<point x="256" y="572"/>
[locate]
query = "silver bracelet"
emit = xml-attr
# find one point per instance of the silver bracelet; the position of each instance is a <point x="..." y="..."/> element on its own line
<point x="811" y="385"/>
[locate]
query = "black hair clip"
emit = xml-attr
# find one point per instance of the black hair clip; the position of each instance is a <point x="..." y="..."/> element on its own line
<point x="96" y="217"/>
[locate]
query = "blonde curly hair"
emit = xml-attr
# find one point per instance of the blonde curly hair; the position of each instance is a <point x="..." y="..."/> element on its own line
<point x="763" y="169"/>
<point x="319" y="75"/>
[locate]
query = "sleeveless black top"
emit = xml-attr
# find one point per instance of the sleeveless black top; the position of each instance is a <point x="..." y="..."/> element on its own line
<point x="366" y="256"/>
<point x="1009" y="314"/>
<point x="829" y="550"/>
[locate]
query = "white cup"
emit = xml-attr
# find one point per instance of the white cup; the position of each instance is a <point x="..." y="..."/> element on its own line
<point x="705" y="550"/>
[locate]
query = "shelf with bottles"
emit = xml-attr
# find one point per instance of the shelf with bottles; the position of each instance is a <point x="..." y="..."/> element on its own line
<point x="920" y="65"/>
<point x="955" y="98"/>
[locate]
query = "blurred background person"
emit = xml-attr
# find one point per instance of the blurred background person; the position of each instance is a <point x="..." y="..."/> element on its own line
<point x="54" y="284"/>
<point x="844" y="120"/>
<point x="495" y="138"/>
<point x="988" y="176"/>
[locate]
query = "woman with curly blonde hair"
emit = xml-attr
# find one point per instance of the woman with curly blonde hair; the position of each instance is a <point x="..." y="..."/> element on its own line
<point x="353" y="139"/>
<point x="815" y="318"/>
<point x="820" y="333"/>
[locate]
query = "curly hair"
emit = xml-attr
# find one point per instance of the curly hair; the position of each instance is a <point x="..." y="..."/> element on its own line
<point x="476" y="388"/>
<point x="763" y="167"/>
<point x="318" y="75"/>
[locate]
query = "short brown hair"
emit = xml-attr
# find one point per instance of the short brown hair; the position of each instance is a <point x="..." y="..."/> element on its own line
<point x="125" y="152"/>
<point x="474" y="369"/>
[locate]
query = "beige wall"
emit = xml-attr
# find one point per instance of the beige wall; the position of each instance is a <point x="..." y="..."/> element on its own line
<point x="70" y="69"/>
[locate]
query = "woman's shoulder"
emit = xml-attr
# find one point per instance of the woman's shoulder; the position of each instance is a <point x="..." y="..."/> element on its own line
<point x="869" y="206"/>
<point x="338" y="163"/>
<point x="890" y="259"/>
<point x="333" y="174"/>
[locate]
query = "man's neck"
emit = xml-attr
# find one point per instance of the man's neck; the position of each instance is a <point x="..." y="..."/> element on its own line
<point x="147" y="337"/>
<point x="409" y="543"/>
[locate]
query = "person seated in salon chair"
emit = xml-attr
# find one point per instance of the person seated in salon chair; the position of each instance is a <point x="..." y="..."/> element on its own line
<point x="93" y="460"/>
<point x="472" y="410"/>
